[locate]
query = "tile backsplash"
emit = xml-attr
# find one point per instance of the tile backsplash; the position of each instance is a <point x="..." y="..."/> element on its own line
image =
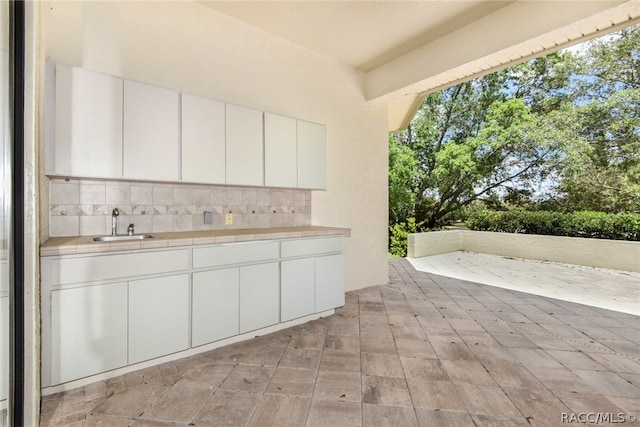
<point x="83" y="207"/>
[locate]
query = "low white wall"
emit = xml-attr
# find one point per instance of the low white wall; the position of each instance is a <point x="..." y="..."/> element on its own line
<point x="614" y="254"/>
<point x="433" y="243"/>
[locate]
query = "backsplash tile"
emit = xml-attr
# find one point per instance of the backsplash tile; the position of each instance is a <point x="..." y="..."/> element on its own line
<point x="83" y="207"/>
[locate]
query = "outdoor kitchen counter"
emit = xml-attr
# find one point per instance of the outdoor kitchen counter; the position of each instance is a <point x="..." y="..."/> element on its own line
<point x="85" y="244"/>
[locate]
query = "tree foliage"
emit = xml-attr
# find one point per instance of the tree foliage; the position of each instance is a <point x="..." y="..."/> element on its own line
<point x="403" y="181"/>
<point x="602" y="171"/>
<point x="560" y="131"/>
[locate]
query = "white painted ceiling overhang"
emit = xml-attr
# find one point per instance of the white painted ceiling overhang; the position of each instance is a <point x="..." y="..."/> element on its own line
<point x="407" y="49"/>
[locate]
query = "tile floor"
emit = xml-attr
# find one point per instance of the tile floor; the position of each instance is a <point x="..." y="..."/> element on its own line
<point x="424" y="350"/>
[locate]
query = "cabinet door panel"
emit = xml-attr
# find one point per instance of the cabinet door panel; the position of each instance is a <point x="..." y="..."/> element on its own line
<point x="88" y="124"/>
<point x="151" y="132"/>
<point x="216" y="305"/>
<point x="203" y="140"/>
<point x="88" y="331"/>
<point x="329" y="282"/>
<point x="245" y="151"/>
<point x="280" y="151"/>
<point x="259" y="296"/>
<point x="312" y="156"/>
<point x="297" y="288"/>
<point x="158" y="317"/>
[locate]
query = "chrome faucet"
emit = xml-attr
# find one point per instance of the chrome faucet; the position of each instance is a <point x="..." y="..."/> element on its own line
<point x="114" y="221"/>
<point x="130" y="230"/>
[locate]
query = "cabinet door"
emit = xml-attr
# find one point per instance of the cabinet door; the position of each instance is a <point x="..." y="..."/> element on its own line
<point x="245" y="156"/>
<point x="329" y="282"/>
<point x="88" y="124"/>
<point x="312" y="156"/>
<point x="203" y="140"/>
<point x="88" y="331"/>
<point x="158" y="317"/>
<point x="280" y="151"/>
<point x="216" y="305"/>
<point x="259" y="296"/>
<point x="151" y="132"/>
<point x="297" y="297"/>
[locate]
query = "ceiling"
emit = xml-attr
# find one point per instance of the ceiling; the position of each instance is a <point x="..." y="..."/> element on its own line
<point x="360" y="34"/>
<point x="407" y="48"/>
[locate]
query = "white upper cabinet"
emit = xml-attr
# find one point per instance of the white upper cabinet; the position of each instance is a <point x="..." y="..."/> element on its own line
<point x="245" y="156"/>
<point x="88" y="125"/>
<point x="100" y="126"/>
<point x="203" y="140"/>
<point x="312" y="156"/>
<point x="151" y="132"/>
<point x="280" y="151"/>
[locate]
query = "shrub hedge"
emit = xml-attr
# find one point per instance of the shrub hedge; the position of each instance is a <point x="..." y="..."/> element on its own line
<point x="599" y="225"/>
<point x="398" y="236"/>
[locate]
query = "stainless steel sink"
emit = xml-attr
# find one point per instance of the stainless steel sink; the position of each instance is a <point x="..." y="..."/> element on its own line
<point x="122" y="238"/>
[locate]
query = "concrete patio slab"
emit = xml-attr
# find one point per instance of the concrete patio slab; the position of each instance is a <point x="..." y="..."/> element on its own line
<point x="611" y="289"/>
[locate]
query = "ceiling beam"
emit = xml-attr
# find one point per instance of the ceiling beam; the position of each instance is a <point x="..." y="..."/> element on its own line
<point x="401" y="112"/>
<point x="516" y="31"/>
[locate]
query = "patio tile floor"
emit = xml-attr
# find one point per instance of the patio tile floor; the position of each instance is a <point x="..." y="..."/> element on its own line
<point x="423" y="350"/>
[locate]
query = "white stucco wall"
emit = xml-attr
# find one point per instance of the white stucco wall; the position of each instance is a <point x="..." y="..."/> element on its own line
<point x="190" y="48"/>
<point x="614" y="254"/>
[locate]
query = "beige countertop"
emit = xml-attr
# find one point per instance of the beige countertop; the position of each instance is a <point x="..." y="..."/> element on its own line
<point x="85" y="244"/>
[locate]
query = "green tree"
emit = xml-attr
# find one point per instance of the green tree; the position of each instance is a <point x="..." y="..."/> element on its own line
<point x="602" y="167"/>
<point x="601" y="170"/>
<point x="474" y="140"/>
<point x="512" y="150"/>
<point x="558" y="131"/>
<point x="404" y="176"/>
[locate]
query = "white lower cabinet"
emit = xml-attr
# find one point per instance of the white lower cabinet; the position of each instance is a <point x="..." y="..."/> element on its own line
<point x="158" y="317"/>
<point x="259" y="296"/>
<point x="216" y="305"/>
<point x="88" y="331"/>
<point x="329" y="276"/>
<point x="313" y="279"/>
<point x="110" y="311"/>
<point x="297" y="291"/>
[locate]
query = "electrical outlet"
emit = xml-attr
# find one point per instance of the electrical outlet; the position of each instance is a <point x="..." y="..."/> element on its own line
<point x="208" y="217"/>
<point x="229" y="219"/>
